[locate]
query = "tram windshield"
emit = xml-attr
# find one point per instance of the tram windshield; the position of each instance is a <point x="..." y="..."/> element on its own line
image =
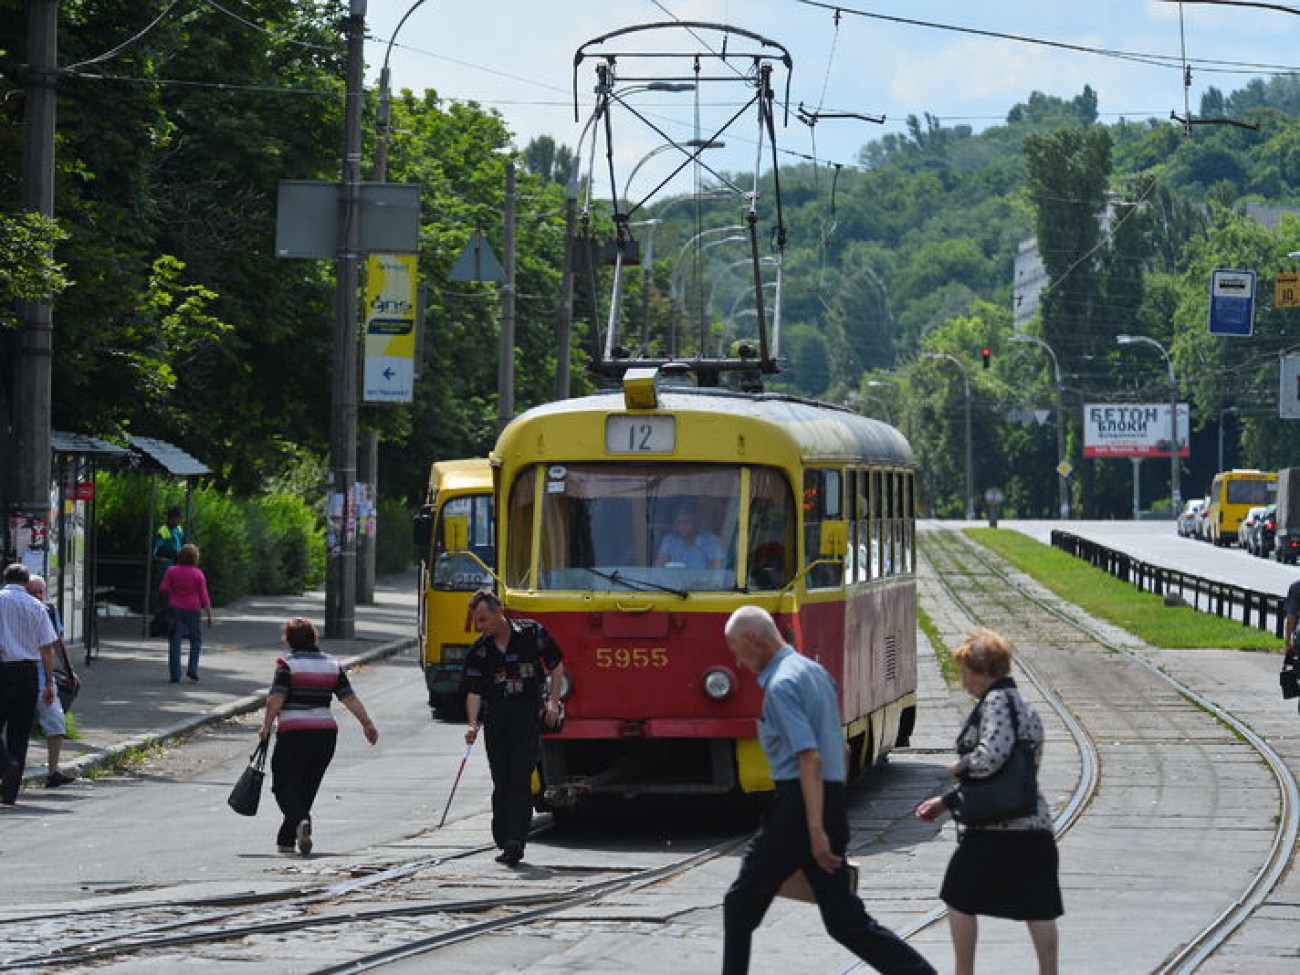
<point x="649" y="527"/>
<point x="455" y="569"/>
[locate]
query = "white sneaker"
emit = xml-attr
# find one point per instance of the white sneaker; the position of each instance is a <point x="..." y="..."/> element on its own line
<point x="304" y="837"/>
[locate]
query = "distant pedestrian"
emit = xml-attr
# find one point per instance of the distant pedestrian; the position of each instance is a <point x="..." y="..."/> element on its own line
<point x="169" y="540"/>
<point x="26" y="639"/>
<point x="186" y="589"/>
<point x="1007" y="869"/>
<point x="504" y="674"/>
<point x="1291" y="607"/>
<point x="51" y="717"/>
<point x="806" y="827"/>
<point x="298" y="705"/>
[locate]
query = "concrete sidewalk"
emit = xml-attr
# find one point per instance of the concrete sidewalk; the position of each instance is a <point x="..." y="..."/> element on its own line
<point x="127" y="702"/>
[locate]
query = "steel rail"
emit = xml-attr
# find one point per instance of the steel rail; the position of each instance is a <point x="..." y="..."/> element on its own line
<point x="1090" y="762"/>
<point x="1189" y="957"/>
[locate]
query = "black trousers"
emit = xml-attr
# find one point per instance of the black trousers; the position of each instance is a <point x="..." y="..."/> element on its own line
<point x="18" y="693"/>
<point x="779" y="848"/>
<point x="297" y="766"/>
<point x="513" y="737"/>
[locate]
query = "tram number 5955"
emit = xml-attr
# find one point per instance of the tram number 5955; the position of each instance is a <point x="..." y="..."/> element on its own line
<point x="640" y="434"/>
<point x="624" y="658"/>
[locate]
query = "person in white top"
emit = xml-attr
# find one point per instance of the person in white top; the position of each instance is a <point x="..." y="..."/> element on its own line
<point x="26" y="636"/>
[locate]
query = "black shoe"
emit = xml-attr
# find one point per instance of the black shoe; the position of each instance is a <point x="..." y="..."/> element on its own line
<point x="56" y="779"/>
<point x="511" y="855"/>
<point x="192" y="676"/>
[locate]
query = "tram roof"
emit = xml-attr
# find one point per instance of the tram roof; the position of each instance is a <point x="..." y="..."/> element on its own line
<point x="819" y="430"/>
<point x="460" y="475"/>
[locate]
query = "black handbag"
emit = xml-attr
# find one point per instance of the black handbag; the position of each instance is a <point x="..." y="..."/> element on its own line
<point x="247" y="793"/>
<point x="66" y="689"/>
<point x="1289" y="677"/>
<point x="1009" y="793"/>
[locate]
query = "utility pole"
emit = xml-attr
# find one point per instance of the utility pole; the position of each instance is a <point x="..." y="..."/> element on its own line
<point x="29" y="490"/>
<point x="563" y="357"/>
<point x="506" y="362"/>
<point x="341" y="585"/>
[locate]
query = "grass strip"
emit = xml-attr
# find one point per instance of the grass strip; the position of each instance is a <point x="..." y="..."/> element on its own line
<point x="1143" y="614"/>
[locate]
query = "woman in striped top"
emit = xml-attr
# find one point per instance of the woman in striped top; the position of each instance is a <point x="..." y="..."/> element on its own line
<point x="306" y="680"/>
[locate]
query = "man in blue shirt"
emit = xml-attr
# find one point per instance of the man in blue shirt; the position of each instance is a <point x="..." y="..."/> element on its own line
<point x="688" y="547"/>
<point x="806" y="827"/>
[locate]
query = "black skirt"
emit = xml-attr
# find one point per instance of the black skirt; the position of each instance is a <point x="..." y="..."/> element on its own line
<point x="1005" y="873"/>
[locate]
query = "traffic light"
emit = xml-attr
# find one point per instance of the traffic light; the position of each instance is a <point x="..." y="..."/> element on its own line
<point x="986" y="353"/>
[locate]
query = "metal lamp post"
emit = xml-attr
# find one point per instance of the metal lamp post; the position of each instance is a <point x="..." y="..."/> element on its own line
<point x="1175" y="491"/>
<point x="678" y="286"/>
<point x="965" y="378"/>
<point x="1060" y="420"/>
<point x="1222" y="413"/>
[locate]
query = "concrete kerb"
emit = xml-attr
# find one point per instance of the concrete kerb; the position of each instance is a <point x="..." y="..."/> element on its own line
<point x="85" y="764"/>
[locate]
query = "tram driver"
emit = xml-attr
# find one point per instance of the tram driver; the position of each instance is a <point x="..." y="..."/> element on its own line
<point x="687" y="547"/>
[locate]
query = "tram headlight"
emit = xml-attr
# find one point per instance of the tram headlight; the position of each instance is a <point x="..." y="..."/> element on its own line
<point x="718" y="684"/>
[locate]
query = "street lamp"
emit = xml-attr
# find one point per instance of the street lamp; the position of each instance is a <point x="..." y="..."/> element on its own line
<point x="1060" y="420"/>
<point x="699" y="145"/>
<point x="1222" y="413"/>
<point x="678" y="286"/>
<point x="1175" y="491"/>
<point x="965" y="378"/>
<point x="384" y="114"/>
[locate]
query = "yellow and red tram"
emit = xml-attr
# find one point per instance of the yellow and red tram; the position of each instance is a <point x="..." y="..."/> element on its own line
<point x="802" y="508"/>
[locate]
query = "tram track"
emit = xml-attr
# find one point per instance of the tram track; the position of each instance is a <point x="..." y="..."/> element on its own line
<point x="415" y="925"/>
<point x="987" y="594"/>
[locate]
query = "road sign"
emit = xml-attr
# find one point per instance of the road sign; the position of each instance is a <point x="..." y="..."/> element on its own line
<point x="1064" y="468"/>
<point x="1288" y="393"/>
<point x="477" y="262"/>
<point x="1232" y="302"/>
<point x="1286" y="289"/>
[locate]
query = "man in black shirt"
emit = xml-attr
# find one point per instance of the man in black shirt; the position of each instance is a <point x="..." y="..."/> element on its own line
<point x="504" y="674"/>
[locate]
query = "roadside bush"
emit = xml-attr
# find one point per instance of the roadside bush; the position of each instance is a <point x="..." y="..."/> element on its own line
<point x="288" y="545"/>
<point x="221" y="531"/>
<point x="396" y="542"/>
<point x="273" y="544"/>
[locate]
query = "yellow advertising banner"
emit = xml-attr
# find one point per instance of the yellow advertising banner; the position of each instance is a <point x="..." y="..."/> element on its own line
<point x="389" y="374"/>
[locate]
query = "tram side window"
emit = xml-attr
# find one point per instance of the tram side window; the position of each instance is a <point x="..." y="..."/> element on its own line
<point x="822" y="501"/>
<point x="771" y="530"/>
<point x="862" y="517"/>
<point x="909" y="523"/>
<point x="877" y="524"/>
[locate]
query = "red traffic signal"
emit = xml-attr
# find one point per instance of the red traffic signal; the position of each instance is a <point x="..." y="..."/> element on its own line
<point x="986" y="353"/>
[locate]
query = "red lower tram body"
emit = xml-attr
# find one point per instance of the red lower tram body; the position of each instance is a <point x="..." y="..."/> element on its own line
<point x="640" y="719"/>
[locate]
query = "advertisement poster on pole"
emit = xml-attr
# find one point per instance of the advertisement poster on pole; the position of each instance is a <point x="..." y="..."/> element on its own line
<point x="391" y="302"/>
<point x="1132" y="430"/>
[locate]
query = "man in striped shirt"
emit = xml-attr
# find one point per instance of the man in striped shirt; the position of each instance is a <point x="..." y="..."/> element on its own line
<point x="25" y="637"/>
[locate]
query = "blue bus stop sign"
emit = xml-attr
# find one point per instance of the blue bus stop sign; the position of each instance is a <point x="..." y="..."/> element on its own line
<point x="1232" y="302"/>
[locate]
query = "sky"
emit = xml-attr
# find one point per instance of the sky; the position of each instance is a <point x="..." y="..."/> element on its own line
<point x="516" y="56"/>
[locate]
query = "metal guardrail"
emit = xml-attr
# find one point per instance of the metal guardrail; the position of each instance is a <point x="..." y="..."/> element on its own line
<point x="1262" y="610"/>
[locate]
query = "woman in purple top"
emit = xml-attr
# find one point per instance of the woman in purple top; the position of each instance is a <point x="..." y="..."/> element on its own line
<point x="186" y="590"/>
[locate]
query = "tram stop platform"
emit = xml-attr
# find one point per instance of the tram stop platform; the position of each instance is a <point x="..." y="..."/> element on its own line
<point x="127" y="702"/>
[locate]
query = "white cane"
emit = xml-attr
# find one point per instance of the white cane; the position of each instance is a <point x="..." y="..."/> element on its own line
<point x="459" y="772"/>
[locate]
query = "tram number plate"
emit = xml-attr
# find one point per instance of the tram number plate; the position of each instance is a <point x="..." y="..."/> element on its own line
<point x="640" y="434"/>
<point x="635" y="657"/>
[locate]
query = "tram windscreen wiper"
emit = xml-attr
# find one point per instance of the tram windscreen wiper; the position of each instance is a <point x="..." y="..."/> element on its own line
<point x="641" y="585"/>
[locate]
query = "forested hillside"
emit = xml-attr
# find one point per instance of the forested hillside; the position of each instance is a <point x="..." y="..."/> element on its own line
<point x="173" y="319"/>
